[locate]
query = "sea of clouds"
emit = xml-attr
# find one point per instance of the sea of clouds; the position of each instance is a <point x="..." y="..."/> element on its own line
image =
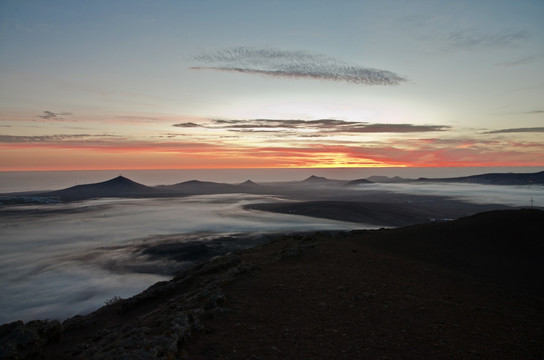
<point x="522" y="195"/>
<point x="60" y="260"/>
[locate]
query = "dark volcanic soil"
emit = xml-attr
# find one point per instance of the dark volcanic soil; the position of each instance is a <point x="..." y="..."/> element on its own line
<point x="468" y="289"/>
<point x="370" y="295"/>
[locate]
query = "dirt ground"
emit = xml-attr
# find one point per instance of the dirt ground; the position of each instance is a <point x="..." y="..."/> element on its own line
<point x="337" y="297"/>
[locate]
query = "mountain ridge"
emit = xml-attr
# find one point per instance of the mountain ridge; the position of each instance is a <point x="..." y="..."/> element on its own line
<point x="123" y="187"/>
<point x="495" y="179"/>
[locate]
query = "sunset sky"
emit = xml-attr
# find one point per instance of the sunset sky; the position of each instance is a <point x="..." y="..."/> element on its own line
<point x="262" y="84"/>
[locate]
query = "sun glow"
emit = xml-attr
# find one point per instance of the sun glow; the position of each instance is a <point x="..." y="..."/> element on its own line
<point x="220" y="156"/>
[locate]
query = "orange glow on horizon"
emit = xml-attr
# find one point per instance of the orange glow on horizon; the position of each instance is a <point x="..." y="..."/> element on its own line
<point x="139" y="156"/>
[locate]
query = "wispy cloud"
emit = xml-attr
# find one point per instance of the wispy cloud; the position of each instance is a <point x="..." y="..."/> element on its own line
<point x="54" y="116"/>
<point x="294" y="64"/>
<point x="139" y="119"/>
<point x="517" y="130"/>
<point x="50" y="138"/>
<point x="522" y="61"/>
<point x="397" y="128"/>
<point x="471" y="39"/>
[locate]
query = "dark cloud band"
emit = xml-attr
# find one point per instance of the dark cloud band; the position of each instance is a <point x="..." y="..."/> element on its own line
<point x="321" y="125"/>
<point x="294" y="64"/>
<point x="517" y="130"/>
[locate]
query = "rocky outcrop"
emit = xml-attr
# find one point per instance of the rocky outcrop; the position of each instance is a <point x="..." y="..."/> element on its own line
<point x="21" y="341"/>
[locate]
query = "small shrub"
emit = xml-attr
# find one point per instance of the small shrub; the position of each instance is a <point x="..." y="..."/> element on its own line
<point x="114" y="300"/>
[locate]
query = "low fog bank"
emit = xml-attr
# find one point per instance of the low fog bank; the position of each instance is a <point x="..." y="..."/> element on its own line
<point x="61" y="260"/>
<point x="471" y="193"/>
<point x="79" y="283"/>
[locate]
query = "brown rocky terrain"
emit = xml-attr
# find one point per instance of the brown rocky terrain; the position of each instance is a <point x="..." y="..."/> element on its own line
<point x="468" y="289"/>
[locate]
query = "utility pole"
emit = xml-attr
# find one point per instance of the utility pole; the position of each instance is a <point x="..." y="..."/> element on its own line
<point x="532" y="201"/>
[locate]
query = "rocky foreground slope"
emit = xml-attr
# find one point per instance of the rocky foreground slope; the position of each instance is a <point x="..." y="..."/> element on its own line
<point x="468" y="289"/>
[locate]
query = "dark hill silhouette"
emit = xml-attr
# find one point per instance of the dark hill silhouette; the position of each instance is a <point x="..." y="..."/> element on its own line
<point x="320" y="180"/>
<point x="358" y="182"/>
<point x="503" y="246"/>
<point x="117" y="187"/>
<point x="196" y="187"/>
<point x="315" y="179"/>
<point x="496" y="179"/>
<point x="386" y="179"/>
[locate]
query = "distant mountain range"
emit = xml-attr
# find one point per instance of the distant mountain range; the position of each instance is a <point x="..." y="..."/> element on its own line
<point x="123" y="187"/>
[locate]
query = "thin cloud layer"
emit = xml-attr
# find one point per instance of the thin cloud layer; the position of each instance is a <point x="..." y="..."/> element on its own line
<point x="470" y="39"/>
<point x="294" y="64"/>
<point x="522" y="61"/>
<point x="48" y="138"/>
<point x="320" y="125"/>
<point x="517" y="130"/>
<point x="284" y="151"/>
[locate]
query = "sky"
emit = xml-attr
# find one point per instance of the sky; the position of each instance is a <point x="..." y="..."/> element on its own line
<point x="196" y="84"/>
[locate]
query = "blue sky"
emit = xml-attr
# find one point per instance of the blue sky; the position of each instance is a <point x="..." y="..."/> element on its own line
<point x="111" y="83"/>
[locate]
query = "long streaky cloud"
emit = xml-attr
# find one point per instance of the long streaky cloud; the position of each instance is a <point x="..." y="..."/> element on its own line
<point x="517" y="130"/>
<point x="321" y="125"/>
<point x="50" y="138"/>
<point x="470" y="39"/>
<point x="294" y="64"/>
<point x="398" y="128"/>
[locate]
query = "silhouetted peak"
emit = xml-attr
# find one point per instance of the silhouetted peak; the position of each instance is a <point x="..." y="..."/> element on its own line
<point x="190" y="182"/>
<point x="316" y="179"/>
<point x="359" y="181"/>
<point x="249" y="183"/>
<point x="119" y="186"/>
<point x="120" y="180"/>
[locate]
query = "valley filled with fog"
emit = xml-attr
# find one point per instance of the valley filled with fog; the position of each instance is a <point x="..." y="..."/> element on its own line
<point x="473" y="193"/>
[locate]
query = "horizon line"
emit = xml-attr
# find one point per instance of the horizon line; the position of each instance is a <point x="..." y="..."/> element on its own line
<point x="282" y="168"/>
